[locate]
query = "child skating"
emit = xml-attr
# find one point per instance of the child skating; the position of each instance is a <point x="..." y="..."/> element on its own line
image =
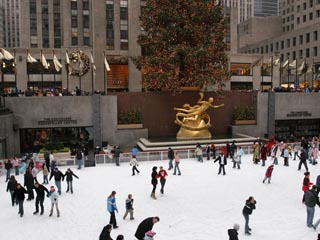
<point x="268" y="173"/>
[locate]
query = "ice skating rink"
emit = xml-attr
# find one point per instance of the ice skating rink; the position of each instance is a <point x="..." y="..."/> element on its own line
<point x="198" y="205"/>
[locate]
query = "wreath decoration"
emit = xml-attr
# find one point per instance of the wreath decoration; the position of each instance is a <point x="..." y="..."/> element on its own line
<point x="78" y="64"/>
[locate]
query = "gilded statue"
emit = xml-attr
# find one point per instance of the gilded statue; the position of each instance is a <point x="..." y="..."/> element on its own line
<point x="194" y="122"/>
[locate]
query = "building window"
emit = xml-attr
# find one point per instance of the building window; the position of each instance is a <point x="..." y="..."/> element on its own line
<point x="74" y="41"/>
<point x="310" y="16"/>
<point x="85" y="5"/>
<point x="86" y="21"/>
<point x="288" y="42"/>
<point x="315" y="36"/>
<point x="315" y="51"/>
<point x="308" y="37"/>
<point x="301" y="39"/>
<point x="294" y="41"/>
<point x="311" y="3"/>
<point x="304" y="6"/>
<point x="300" y="53"/>
<point x="240" y="69"/>
<point x="271" y="47"/>
<point x="124" y="24"/>
<point x="294" y="55"/>
<point x="307" y="53"/>
<point x="86" y="41"/>
<point x="45" y="23"/>
<point x="277" y="46"/>
<point x="33" y="23"/>
<point x="74" y="5"/>
<point x="267" y="48"/>
<point x="261" y="50"/>
<point x="110" y="25"/>
<point x="74" y="21"/>
<point x="56" y="24"/>
<point x="298" y="8"/>
<point x="282" y="44"/>
<point x="304" y="18"/>
<point x="298" y="20"/>
<point x="318" y="13"/>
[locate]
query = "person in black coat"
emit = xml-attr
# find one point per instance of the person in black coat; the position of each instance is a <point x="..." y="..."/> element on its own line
<point x="233" y="233"/>
<point x="222" y="162"/>
<point x="40" y="190"/>
<point x="11" y="186"/>
<point x="58" y="176"/>
<point x="303" y="160"/>
<point x="145" y="226"/>
<point x="8" y="166"/>
<point x="154" y="182"/>
<point x="105" y="233"/>
<point x="247" y="210"/>
<point x="171" y="157"/>
<point x="19" y="195"/>
<point x="69" y="177"/>
<point x="29" y="183"/>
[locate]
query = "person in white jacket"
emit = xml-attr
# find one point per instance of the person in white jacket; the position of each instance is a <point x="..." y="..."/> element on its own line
<point x="54" y="196"/>
<point x="134" y="164"/>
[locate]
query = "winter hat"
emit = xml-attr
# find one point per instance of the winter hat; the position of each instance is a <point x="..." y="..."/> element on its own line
<point x="154" y="168"/>
<point x="52" y="188"/>
<point x="150" y="233"/>
<point x="307" y="173"/>
<point x="236" y="226"/>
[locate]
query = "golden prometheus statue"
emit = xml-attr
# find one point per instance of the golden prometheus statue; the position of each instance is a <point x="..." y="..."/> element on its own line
<point x="194" y="122"/>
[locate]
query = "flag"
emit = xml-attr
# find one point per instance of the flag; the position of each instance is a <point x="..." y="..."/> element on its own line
<point x="57" y="64"/>
<point x="31" y="59"/>
<point x="269" y="63"/>
<point x="301" y="67"/>
<point x="6" y="55"/>
<point x="68" y="63"/>
<point x="276" y="62"/>
<point x="92" y="64"/>
<point x="293" y="64"/>
<point x="44" y="61"/>
<point x="106" y="64"/>
<point x="285" y="63"/>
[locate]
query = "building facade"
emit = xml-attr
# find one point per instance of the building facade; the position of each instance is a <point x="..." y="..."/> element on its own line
<point x="264" y="8"/>
<point x="297" y="45"/>
<point x="10" y="11"/>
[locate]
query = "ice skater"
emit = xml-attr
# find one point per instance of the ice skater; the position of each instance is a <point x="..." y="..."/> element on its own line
<point x="176" y="164"/>
<point x="171" y="157"/>
<point x="162" y="175"/>
<point x="69" y="177"/>
<point x="129" y="207"/>
<point x="249" y="206"/>
<point x="58" y="176"/>
<point x="11" y="186"/>
<point x="18" y="194"/>
<point x="154" y="182"/>
<point x="54" y="196"/>
<point x="222" y="162"/>
<point x="112" y="208"/>
<point x="268" y="173"/>
<point x="134" y="164"/>
<point x="40" y="191"/>
<point x="233" y="232"/>
<point x="306" y="184"/>
<point x="145" y="226"/>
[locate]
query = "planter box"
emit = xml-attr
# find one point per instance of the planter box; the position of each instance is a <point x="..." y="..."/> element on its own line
<point x="244" y="122"/>
<point x="130" y="126"/>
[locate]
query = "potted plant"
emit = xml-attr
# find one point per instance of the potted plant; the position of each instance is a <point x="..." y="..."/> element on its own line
<point x="130" y="119"/>
<point x="243" y="115"/>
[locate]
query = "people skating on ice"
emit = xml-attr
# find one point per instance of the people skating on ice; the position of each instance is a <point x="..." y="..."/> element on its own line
<point x="54" y="196"/>
<point x="11" y="186"/>
<point x="198" y="152"/>
<point x="40" y="191"/>
<point x="112" y="208"/>
<point x="176" y="164"/>
<point x="116" y="155"/>
<point x="170" y="157"/>
<point x="18" y="194"/>
<point x="134" y="164"/>
<point x="208" y="150"/>
<point x="249" y="206"/>
<point x="69" y="177"/>
<point x="129" y="207"/>
<point x="303" y="160"/>
<point x="134" y="152"/>
<point x="222" y="160"/>
<point x="311" y="199"/>
<point x="105" y="233"/>
<point x="154" y="182"/>
<point x="240" y="154"/>
<point x="285" y="155"/>
<point x="8" y="166"/>
<point x="228" y="149"/>
<point x="34" y="172"/>
<point x="162" y="175"/>
<point x="306" y="184"/>
<point x="15" y="164"/>
<point x="45" y="174"/>
<point x="268" y="174"/>
<point x="28" y="183"/>
<point x="314" y="155"/>
<point x="263" y="154"/>
<point x="275" y="153"/>
<point x="145" y="226"/>
<point x="213" y="151"/>
<point x="233" y="232"/>
<point x="233" y="150"/>
<point x="149" y="235"/>
<point x="256" y="153"/>
<point x="58" y="176"/>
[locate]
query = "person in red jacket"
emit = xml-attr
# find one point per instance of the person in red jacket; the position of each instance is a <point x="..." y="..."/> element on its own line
<point x="162" y="175"/>
<point x="268" y="173"/>
<point x="306" y="184"/>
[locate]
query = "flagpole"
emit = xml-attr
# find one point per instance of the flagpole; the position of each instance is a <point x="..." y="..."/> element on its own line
<point x="67" y="72"/>
<point x="15" y="67"/>
<point x="261" y="72"/>
<point x="41" y="69"/>
<point x="312" y="74"/>
<point x="288" y="80"/>
<point x="104" y="74"/>
<point x="280" y="73"/>
<point x="272" y="72"/>
<point x="27" y="68"/>
<point x="92" y="77"/>
<point x="54" y="72"/>
<point x="296" y="69"/>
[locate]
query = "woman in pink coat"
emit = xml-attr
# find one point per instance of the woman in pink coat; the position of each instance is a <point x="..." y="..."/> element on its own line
<point x="314" y="155"/>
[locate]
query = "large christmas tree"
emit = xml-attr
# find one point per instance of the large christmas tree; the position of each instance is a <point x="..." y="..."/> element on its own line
<point x="182" y="44"/>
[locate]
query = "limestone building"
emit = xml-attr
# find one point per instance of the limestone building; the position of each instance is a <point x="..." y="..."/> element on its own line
<point x="10" y="23"/>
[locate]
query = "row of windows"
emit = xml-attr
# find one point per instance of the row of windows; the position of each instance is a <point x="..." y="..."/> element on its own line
<point x="301" y="54"/>
<point x="299" y="20"/>
<point x="300" y="8"/>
